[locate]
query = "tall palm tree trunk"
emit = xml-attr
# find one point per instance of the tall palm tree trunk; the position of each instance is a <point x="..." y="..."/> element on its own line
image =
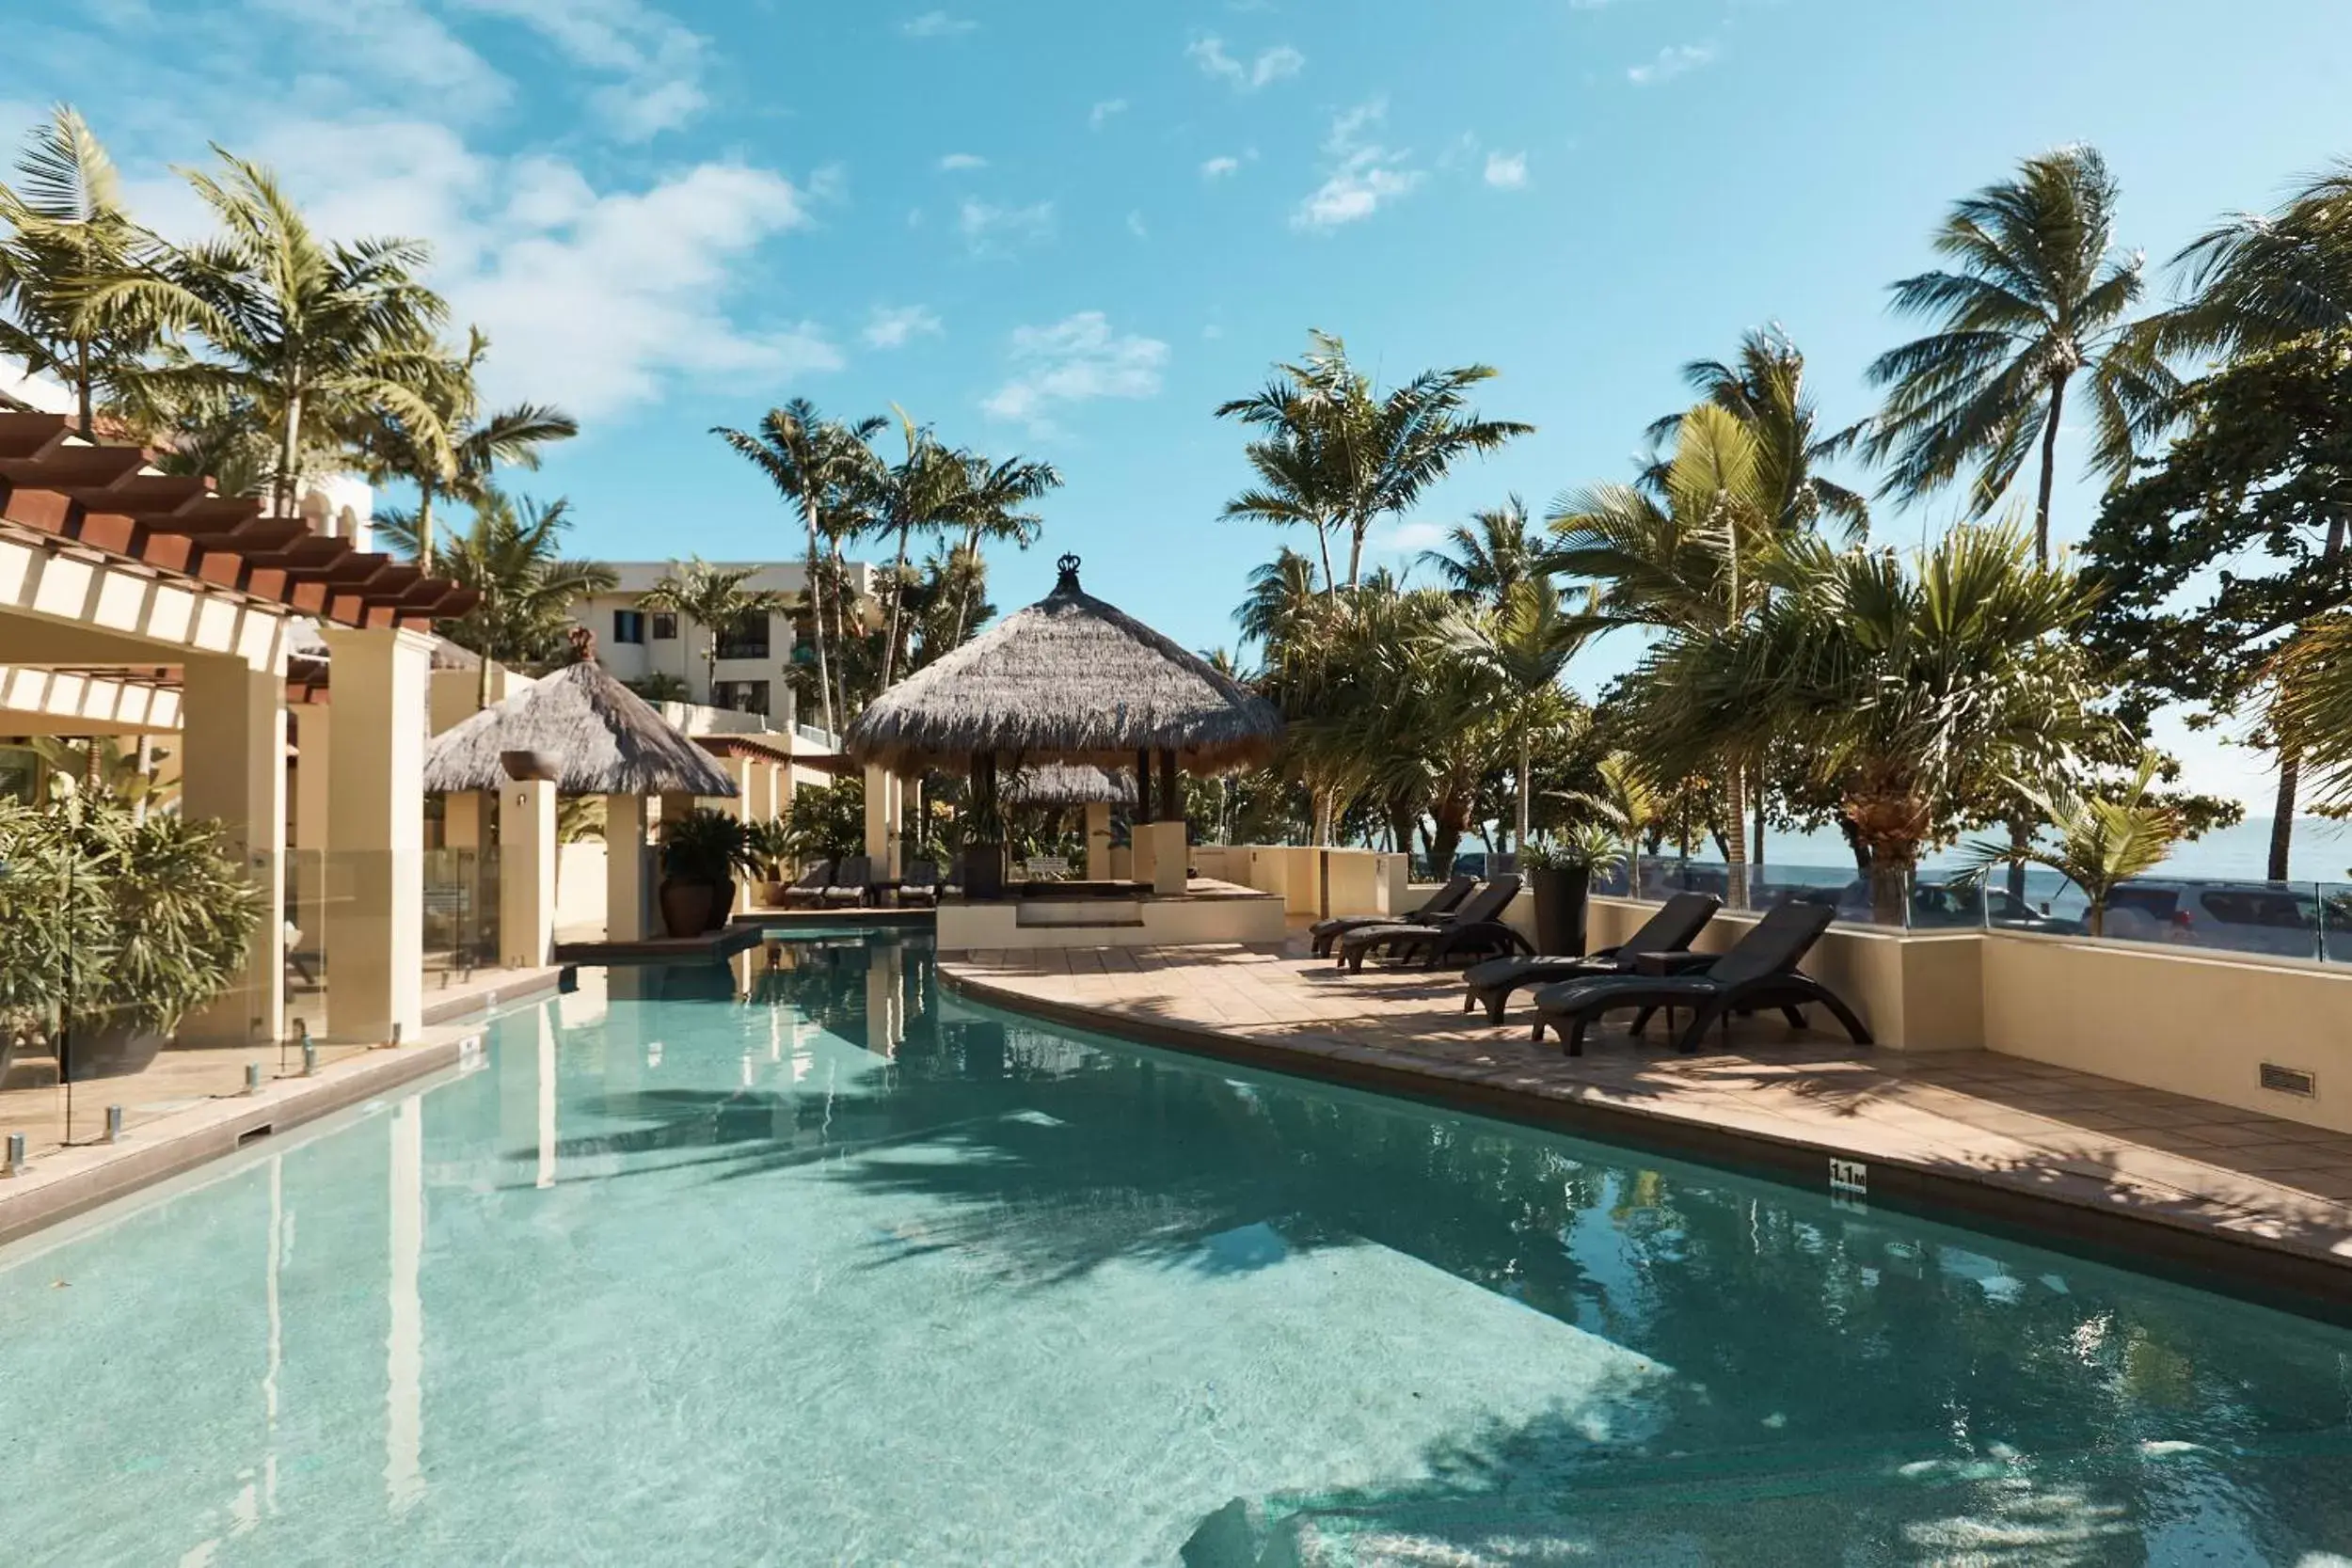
<point x="1758" y="858"/>
<point x="84" y="400"/>
<point x="1735" y="841"/>
<point x="1323" y="545"/>
<point x="2290" y="759"/>
<point x="424" y="524"/>
<point x="289" y="453"/>
<point x="898" y="594"/>
<point x="1527" y="770"/>
<point x="2049" y="470"/>
<point x="816" y="616"/>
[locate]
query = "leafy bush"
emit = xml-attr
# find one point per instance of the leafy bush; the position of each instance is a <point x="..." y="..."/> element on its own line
<point x="707" y="846"/>
<point x="1591" y="847"/>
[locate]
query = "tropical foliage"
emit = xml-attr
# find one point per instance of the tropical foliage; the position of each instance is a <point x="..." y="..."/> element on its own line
<point x="2098" y="842"/>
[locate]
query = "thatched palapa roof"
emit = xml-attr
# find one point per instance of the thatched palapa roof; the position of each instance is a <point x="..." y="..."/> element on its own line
<point x="1069" y="679"/>
<point x="611" y="741"/>
<point x="1067" y="784"/>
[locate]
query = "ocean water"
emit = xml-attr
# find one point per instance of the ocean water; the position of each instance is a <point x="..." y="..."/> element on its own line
<point x="2320" y="851"/>
<point x="822" y="1266"/>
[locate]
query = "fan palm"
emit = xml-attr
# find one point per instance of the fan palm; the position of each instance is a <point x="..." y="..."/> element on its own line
<point x="2035" y="297"/>
<point x="313" y="341"/>
<point x="1922" y="687"/>
<point x="1338" y="454"/>
<point x="1492" y="554"/>
<point x="811" y="461"/>
<point x="2101" y="842"/>
<point x="512" y="557"/>
<point x="66" y="226"/>
<point x="715" y="600"/>
<point x="472" y="444"/>
<point x="1764" y="389"/>
<point x="989" y="505"/>
<point x="1627" y="806"/>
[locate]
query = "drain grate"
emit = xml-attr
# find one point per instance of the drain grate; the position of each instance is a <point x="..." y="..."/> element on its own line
<point x="2289" y="1080"/>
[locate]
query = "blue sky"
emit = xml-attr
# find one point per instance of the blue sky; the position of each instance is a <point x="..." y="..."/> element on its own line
<point x="1072" y="228"/>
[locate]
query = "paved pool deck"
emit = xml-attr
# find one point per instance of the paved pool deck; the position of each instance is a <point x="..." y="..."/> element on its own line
<point x="2226" y="1196"/>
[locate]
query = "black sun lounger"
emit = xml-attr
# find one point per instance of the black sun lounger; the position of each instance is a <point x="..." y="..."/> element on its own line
<point x="1476" y="928"/>
<point x="1438" y="910"/>
<point x="810" y="889"/>
<point x="1759" y="971"/>
<point x="1669" y="930"/>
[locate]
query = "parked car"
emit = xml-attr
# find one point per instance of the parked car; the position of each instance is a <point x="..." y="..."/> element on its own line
<point x="2238" y="917"/>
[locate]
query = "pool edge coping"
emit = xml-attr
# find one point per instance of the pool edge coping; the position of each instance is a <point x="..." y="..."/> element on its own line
<point x="2239" y="1263"/>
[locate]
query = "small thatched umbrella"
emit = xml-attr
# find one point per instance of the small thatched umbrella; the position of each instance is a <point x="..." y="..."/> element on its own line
<point x="1068" y="783"/>
<point x="609" y="739"/>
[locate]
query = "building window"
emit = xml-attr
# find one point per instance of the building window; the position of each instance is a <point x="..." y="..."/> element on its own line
<point x="746" y="639"/>
<point x="740" y="696"/>
<point x="664" y="626"/>
<point x="629" y="625"/>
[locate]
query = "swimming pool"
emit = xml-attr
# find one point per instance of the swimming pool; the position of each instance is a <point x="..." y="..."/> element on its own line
<point x="847" y="1271"/>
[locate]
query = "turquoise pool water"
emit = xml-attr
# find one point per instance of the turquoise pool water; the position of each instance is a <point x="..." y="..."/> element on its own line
<point x="844" y="1271"/>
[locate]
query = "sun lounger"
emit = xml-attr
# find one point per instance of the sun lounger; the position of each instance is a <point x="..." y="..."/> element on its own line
<point x="1669" y="930"/>
<point x="849" y="889"/>
<point x="1475" y="928"/>
<point x="810" y="888"/>
<point x="921" y="883"/>
<point x="1437" y="910"/>
<point x="1759" y="971"/>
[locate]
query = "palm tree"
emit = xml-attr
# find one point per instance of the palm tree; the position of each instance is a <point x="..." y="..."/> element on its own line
<point x="2102" y="842"/>
<point x="1338" y="455"/>
<point x="989" y="505"/>
<point x="512" y="557"/>
<point x="1689" y="565"/>
<point x="810" y="460"/>
<point x="311" y="339"/>
<point x="66" y="225"/>
<point x="1764" y="389"/>
<point x="1627" y="804"/>
<point x="472" y="444"/>
<point x="1491" y="555"/>
<point x="715" y="600"/>
<point x="2310" y="702"/>
<point x="2035" y="297"/>
<point x="1922" y="687"/>
<point x="1526" y="642"/>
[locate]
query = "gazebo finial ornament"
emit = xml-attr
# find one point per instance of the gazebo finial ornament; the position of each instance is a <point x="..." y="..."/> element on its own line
<point x="583" y="645"/>
<point x="1068" y="583"/>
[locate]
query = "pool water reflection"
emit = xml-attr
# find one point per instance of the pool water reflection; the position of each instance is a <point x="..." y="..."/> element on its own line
<point x="813" y="1264"/>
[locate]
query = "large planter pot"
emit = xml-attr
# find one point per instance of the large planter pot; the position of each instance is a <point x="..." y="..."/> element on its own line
<point x="721" y="906"/>
<point x="109" y="1051"/>
<point x="983" y="871"/>
<point x="1559" y="897"/>
<point x="685" y="907"/>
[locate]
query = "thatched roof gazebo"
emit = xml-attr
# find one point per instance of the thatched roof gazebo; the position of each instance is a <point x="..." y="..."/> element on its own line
<point x="1069" y="679"/>
<point x="607" y="739"/>
<point x="1068" y="783"/>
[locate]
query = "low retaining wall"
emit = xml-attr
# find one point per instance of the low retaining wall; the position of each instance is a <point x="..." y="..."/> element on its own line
<point x="2195" y="1024"/>
<point x="1218" y="915"/>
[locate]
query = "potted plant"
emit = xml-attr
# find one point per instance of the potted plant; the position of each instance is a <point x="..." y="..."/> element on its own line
<point x="1560" y="874"/>
<point x="701" y="853"/>
<point x="118" y="928"/>
<point x="771" y="844"/>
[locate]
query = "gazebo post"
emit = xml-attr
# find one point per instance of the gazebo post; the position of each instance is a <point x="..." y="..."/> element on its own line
<point x="1099" y="840"/>
<point x="527" y="852"/>
<point x="627" y="833"/>
<point x="882" y="837"/>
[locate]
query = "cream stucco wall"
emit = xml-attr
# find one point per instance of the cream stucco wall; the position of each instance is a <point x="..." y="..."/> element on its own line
<point x="1234" y="916"/>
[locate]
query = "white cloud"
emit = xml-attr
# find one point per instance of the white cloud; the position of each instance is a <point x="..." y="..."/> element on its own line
<point x="955" y="162"/>
<point x="1104" y="110"/>
<point x="1364" y="175"/>
<point x="1408" y="538"/>
<point x="986" y="226"/>
<point x="936" y="24"/>
<point x="1076" y="359"/>
<point x="1271" y="65"/>
<point x="1218" y="168"/>
<point x="659" y="59"/>
<point x="1672" y="61"/>
<point x="1134" y="226"/>
<point x="398" y="41"/>
<point x="895" y="327"/>
<point x="1506" y="172"/>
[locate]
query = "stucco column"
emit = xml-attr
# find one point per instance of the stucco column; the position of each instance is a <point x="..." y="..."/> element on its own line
<point x="627" y="827"/>
<point x="527" y="852"/>
<point x="1099" y="840"/>
<point x="1164" y="843"/>
<point x="375" y="834"/>
<point x="882" y="843"/>
<point x="232" y="770"/>
<point x="314" y="788"/>
<point x="463" y="820"/>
